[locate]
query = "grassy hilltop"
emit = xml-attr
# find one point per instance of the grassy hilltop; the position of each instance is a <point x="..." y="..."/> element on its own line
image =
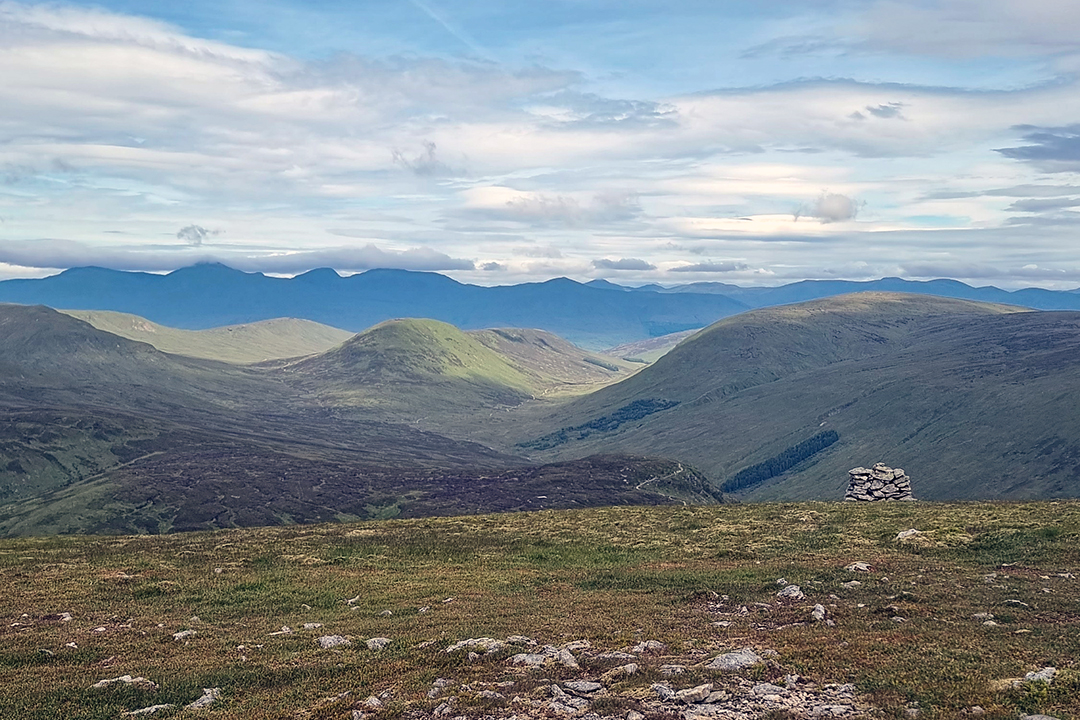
<point x="614" y="577"/>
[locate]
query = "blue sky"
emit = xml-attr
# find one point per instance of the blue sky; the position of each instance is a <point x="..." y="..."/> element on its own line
<point x="639" y="141"/>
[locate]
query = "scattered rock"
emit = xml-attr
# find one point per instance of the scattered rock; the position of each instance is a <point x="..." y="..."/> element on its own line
<point x="147" y="710"/>
<point x="672" y="670"/>
<point x="485" y="645"/>
<point x="791" y="592"/>
<point x="531" y="660"/>
<point x="620" y="672"/>
<point x="208" y="698"/>
<point x="614" y="656"/>
<point x="634" y="715"/>
<point x="520" y="640"/>
<point x="386" y="613"/>
<point x="859" y="567"/>
<point x="1046" y="675"/>
<point x="567" y="659"/>
<point x="695" y="694"/>
<point x="139" y="682"/>
<point x="734" y="661"/>
<point x="818" y="613"/>
<point x="721" y="624"/>
<point x="649" y="646"/>
<point x="768" y="689"/>
<point x="1038" y="717"/>
<point x="285" y="630"/>
<point x="490" y="695"/>
<point x="378" y="643"/>
<point x="312" y="626"/>
<point x="331" y="641"/>
<point x="423" y="609"/>
<point x="665" y="693"/>
<point x="907" y="535"/>
<point x="183" y="635"/>
<point x="851" y="584"/>
<point x="584" y="687"/>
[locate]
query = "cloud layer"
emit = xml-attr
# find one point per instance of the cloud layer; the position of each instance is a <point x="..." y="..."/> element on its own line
<point x="137" y="144"/>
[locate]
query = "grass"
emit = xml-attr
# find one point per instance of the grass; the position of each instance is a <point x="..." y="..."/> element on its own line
<point x="613" y="576"/>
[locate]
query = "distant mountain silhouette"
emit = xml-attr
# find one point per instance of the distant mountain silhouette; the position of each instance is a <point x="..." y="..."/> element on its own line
<point x="595" y="315"/>
<point x="212" y="295"/>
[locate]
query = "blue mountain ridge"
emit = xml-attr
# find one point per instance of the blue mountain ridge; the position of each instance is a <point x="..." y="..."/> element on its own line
<point x="595" y="315"/>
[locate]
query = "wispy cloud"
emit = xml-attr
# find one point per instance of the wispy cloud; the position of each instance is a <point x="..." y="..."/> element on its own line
<point x="622" y="264"/>
<point x="53" y="253"/>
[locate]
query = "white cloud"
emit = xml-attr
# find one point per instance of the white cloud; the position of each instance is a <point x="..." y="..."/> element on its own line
<point x="53" y="253"/>
<point x="622" y="264"/>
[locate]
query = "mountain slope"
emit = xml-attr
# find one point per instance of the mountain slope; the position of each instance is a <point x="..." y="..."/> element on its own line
<point x="432" y="373"/>
<point x="100" y="433"/>
<point x="239" y="344"/>
<point x="973" y="400"/>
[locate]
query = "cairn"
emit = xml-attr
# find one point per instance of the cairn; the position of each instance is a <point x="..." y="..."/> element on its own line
<point x="879" y="483"/>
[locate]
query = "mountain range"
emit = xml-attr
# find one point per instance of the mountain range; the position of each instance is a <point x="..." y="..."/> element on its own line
<point x="115" y="423"/>
<point x="595" y="315"/>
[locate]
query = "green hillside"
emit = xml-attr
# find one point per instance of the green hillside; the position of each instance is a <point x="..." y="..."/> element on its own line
<point x="240" y="344"/>
<point x="973" y="400"/>
<point x="100" y="433"/>
<point x="433" y="374"/>
<point x="557" y="366"/>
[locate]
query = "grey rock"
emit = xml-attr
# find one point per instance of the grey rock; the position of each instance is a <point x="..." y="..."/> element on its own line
<point x="567" y="659"/>
<point x="614" y="656"/>
<point x="634" y="715"/>
<point x="694" y="694"/>
<point x="905" y="535"/>
<point x="1038" y="717"/>
<point x="859" y="566"/>
<point x="768" y="689"/>
<point x="378" y="643"/>
<point x="311" y="626"/>
<point x="147" y="710"/>
<point x="791" y="592"/>
<point x="531" y="660"/>
<point x="183" y="635"/>
<point x="331" y="641"/>
<point x="671" y="670"/>
<point x="734" y="661"/>
<point x="209" y="697"/>
<point x="583" y="686"/>
<point x="477" y="644"/>
<point x="520" y="640"/>
<point x="491" y="695"/>
<point x="665" y="693"/>
<point x="1045" y="675"/>
<point x="139" y="682"/>
<point x="649" y="646"/>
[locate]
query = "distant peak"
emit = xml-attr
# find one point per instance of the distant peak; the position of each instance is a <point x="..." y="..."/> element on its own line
<point x="209" y="268"/>
<point x="319" y="274"/>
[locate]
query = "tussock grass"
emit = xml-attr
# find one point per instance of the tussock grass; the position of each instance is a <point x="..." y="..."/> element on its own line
<point x="613" y="576"/>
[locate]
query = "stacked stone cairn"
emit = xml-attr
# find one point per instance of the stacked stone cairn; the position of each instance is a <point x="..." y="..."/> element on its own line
<point x="879" y="483"/>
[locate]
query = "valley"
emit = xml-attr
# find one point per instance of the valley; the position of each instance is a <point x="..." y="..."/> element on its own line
<point x="113" y="423"/>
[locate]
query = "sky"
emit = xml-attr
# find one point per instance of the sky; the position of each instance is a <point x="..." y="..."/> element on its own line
<point x="500" y="142"/>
